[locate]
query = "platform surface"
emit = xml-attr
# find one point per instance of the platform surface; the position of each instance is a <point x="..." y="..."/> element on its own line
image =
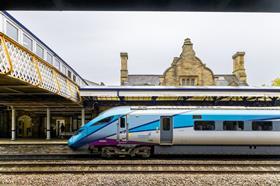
<point x="6" y="141"/>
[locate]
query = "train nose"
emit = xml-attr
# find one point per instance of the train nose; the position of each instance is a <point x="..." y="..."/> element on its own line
<point x="71" y="142"/>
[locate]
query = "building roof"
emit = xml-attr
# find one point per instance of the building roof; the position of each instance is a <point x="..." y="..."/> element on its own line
<point x="143" y="80"/>
<point x="154" y="80"/>
<point x="227" y="80"/>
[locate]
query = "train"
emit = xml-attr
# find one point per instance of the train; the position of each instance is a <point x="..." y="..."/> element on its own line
<point x="145" y="131"/>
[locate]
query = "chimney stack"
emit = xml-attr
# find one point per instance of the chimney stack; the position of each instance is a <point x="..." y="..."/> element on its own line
<point x="238" y="67"/>
<point x="124" y="71"/>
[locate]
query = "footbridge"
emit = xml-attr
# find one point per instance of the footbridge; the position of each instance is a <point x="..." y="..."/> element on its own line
<point x="31" y="74"/>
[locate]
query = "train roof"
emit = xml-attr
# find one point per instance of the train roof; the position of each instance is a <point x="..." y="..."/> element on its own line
<point x="205" y="110"/>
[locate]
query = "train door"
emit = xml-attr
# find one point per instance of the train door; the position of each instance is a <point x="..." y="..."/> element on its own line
<point x="122" y="129"/>
<point x="166" y="130"/>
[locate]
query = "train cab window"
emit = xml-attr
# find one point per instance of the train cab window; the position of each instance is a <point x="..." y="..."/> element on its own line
<point x="233" y="125"/>
<point x="12" y="31"/>
<point x="122" y="122"/>
<point x="204" y="125"/>
<point x="104" y="121"/>
<point x="166" y="123"/>
<point x="262" y="125"/>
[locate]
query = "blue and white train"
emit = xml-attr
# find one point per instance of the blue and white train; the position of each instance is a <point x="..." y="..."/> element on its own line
<point x="142" y="131"/>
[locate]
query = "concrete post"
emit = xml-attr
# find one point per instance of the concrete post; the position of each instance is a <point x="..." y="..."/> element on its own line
<point x="48" y="124"/>
<point x="13" y="124"/>
<point x="83" y="116"/>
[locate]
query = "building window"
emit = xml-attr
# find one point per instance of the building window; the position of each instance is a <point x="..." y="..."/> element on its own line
<point x="262" y="125"/>
<point x="74" y="78"/>
<point x="12" y="31"/>
<point x="69" y="74"/>
<point x="204" y="125"/>
<point x="63" y="69"/>
<point x="27" y="42"/>
<point x="192" y="80"/>
<point x="49" y="58"/>
<point x="188" y="81"/>
<point x="233" y="125"/>
<point x="40" y="51"/>
<point x="57" y="64"/>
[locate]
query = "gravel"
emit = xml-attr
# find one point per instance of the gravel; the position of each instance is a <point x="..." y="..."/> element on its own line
<point x="141" y="179"/>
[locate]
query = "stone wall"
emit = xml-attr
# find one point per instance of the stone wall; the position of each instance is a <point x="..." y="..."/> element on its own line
<point x="187" y="70"/>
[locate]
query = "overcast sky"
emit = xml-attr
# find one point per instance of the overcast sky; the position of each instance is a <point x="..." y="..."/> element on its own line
<point x="91" y="41"/>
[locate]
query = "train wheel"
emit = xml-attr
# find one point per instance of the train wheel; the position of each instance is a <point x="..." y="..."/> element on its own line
<point x="108" y="152"/>
<point x="144" y="152"/>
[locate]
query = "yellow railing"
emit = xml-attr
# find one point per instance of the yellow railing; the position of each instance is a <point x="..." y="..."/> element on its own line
<point x="18" y="62"/>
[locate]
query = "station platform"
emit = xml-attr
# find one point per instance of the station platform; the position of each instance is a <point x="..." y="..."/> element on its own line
<point x="36" y="147"/>
<point x="5" y="141"/>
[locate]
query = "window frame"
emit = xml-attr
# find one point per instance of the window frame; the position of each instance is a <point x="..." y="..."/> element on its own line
<point x="212" y="122"/>
<point x="263" y="123"/>
<point x="74" y="77"/>
<point x="24" y="35"/>
<point x="12" y="26"/>
<point x="122" y="122"/>
<point x="164" y="123"/>
<point x="235" y="122"/>
<point x="101" y="122"/>
<point x="49" y="54"/>
<point x="39" y="46"/>
<point x="69" y="74"/>
<point x="57" y="63"/>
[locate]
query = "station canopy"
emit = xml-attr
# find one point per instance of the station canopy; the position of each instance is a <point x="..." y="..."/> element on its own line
<point x="189" y="95"/>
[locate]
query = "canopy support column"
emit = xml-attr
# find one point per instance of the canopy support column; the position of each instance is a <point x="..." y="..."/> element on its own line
<point x="13" y="129"/>
<point x="48" y="124"/>
<point x="83" y="116"/>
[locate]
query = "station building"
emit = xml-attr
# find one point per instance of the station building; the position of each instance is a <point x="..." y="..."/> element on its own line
<point x="187" y="70"/>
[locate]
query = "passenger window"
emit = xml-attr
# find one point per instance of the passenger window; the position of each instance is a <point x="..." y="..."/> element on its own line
<point x="233" y="125"/>
<point x="166" y="123"/>
<point x="204" y="125"/>
<point x="122" y="122"/>
<point x="262" y="125"/>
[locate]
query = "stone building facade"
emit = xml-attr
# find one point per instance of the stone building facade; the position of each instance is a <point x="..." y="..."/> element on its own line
<point x="187" y="70"/>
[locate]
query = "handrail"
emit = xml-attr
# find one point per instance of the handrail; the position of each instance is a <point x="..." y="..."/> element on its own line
<point x="28" y="67"/>
<point x="34" y="55"/>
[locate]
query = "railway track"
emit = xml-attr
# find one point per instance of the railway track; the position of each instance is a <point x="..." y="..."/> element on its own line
<point x="131" y="167"/>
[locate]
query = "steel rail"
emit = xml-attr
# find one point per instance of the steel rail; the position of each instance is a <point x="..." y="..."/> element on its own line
<point x="139" y="168"/>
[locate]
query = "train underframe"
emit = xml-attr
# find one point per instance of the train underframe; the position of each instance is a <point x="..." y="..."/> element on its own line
<point x="124" y="150"/>
<point x="145" y="151"/>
